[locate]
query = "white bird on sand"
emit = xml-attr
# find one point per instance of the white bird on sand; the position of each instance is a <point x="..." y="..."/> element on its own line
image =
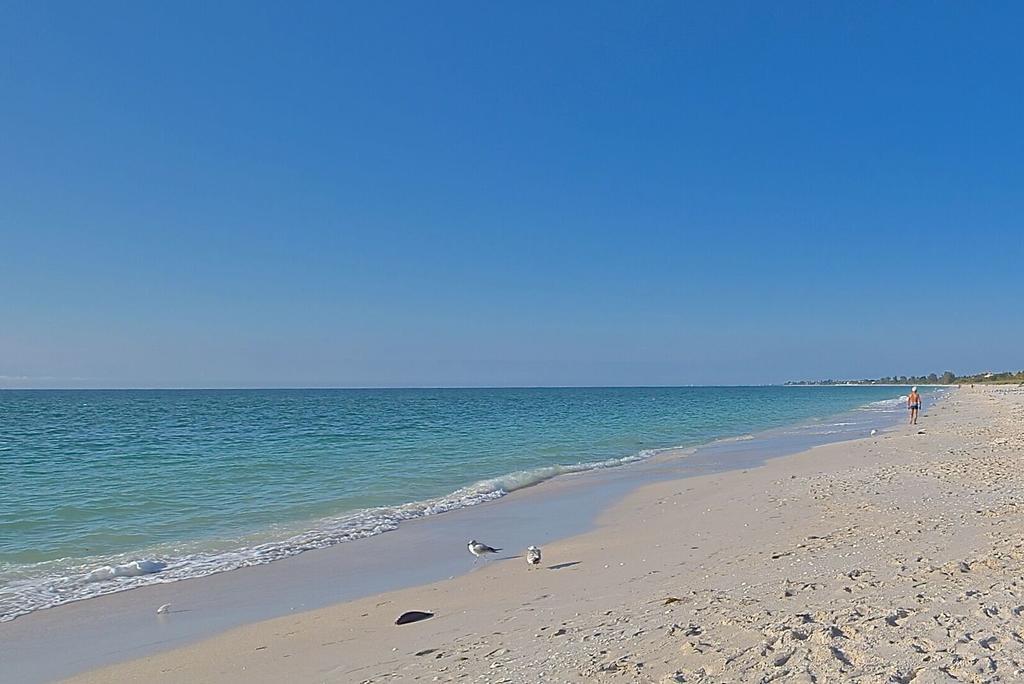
<point x="164" y="609"/>
<point x="532" y="556"/>
<point x="479" y="550"/>
<point x="874" y="432"/>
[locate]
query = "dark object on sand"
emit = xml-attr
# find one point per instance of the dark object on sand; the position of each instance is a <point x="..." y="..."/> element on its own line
<point x="413" y="616"/>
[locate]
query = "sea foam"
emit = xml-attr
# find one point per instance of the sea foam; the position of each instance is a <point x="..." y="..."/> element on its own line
<point x="132" y="569"/>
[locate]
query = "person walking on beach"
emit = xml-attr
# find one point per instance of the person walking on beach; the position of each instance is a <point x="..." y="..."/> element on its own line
<point x="914" y="404"/>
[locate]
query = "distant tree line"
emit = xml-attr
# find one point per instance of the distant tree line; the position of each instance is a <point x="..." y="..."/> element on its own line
<point x="947" y="378"/>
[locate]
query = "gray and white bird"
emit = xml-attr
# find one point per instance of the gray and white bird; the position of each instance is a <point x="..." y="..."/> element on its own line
<point x="480" y="550"/>
<point x="164" y="609"/>
<point x="532" y="556"/>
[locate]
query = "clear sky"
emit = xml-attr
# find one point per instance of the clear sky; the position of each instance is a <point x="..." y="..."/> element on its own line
<point x="351" y="194"/>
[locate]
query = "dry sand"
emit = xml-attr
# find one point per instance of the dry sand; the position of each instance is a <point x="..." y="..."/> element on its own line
<point x="896" y="558"/>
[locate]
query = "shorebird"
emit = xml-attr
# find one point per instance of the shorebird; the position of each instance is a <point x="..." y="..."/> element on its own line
<point x="164" y="609"/>
<point x="479" y="550"/>
<point x="532" y="556"/>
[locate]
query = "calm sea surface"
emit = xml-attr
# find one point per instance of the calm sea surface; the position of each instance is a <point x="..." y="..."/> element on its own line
<point x="105" y="490"/>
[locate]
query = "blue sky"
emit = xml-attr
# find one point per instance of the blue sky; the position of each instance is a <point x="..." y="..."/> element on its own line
<point x="329" y="194"/>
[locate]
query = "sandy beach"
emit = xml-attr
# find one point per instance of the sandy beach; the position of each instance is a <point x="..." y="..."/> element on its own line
<point x="310" y="305"/>
<point x="894" y="558"/>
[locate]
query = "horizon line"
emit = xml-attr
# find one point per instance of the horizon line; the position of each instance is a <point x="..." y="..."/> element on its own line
<point x="437" y="387"/>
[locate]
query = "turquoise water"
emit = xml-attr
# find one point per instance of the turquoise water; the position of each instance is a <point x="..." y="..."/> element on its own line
<point x="104" y="490"/>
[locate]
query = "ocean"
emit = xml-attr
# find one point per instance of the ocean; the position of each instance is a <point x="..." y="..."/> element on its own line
<point x="105" y="490"/>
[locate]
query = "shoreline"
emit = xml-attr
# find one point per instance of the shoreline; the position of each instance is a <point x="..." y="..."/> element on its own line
<point x="569" y="504"/>
<point x="888" y="558"/>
